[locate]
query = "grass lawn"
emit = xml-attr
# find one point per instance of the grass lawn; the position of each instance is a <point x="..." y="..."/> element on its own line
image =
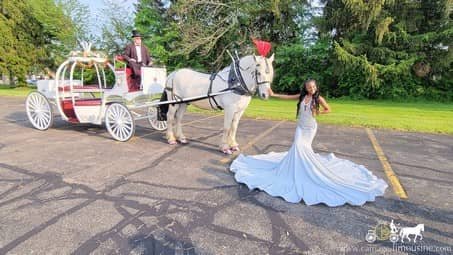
<point x="15" y="92"/>
<point x="429" y="117"/>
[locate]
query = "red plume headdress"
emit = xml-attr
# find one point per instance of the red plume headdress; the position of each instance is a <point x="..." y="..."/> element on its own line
<point x="263" y="47"/>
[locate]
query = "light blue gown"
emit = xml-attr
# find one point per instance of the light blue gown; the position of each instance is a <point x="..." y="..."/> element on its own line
<point x="301" y="174"/>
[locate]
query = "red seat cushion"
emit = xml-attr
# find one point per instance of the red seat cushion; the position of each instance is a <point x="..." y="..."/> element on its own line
<point x="88" y="102"/>
<point x="68" y="88"/>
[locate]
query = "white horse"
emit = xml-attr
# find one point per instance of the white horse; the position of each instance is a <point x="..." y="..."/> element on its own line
<point x="417" y="231"/>
<point x="248" y="74"/>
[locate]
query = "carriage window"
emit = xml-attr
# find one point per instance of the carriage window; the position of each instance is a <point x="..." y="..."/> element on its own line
<point x="94" y="75"/>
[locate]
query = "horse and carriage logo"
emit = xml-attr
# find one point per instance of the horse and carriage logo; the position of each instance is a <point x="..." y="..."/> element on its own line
<point x="394" y="233"/>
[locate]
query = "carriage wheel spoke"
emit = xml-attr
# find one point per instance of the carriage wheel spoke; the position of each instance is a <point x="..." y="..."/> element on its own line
<point x="114" y="111"/>
<point x="40" y="123"/>
<point x="114" y="129"/>
<point x="33" y="100"/>
<point x="46" y="114"/>
<point x="127" y="128"/>
<point x="123" y="133"/>
<point x="112" y="116"/>
<point x="32" y="105"/>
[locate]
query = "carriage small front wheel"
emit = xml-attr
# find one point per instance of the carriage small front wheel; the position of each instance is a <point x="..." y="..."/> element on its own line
<point x="119" y="122"/>
<point x="154" y="121"/>
<point x="370" y="236"/>
<point x="39" y="111"/>
<point x="393" y="237"/>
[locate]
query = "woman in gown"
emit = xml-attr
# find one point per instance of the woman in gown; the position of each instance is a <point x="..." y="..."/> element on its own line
<point x="300" y="173"/>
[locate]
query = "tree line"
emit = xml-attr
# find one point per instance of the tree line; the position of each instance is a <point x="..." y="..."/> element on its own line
<point x="355" y="48"/>
<point x="371" y="49"/>
<point x="37" y="35"/>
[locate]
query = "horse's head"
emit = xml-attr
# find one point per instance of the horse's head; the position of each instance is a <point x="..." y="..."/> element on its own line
<point x="264" y="75"/>
<point x="422" y="227"/>
<point x="257" y="73"/>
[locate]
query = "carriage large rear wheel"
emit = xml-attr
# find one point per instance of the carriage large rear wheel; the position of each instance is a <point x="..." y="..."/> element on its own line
<point x="119" y="122"/>
<point x="153" y="119"/>
<point x="39" y="111"/>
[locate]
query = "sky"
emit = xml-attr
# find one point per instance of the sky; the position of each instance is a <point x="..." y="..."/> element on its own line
<point x="96" y="5"/>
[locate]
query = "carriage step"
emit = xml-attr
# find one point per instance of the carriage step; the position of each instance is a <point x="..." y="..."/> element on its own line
<point x="73" y="120"/>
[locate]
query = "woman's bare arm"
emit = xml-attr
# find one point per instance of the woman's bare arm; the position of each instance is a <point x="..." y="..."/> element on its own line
<point x="272" y="94"/>
<point x="325" y="106"/>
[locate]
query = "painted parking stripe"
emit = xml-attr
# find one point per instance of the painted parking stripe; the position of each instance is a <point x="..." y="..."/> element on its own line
<point x="392" y="177"/>
<point x="251" y="143"/>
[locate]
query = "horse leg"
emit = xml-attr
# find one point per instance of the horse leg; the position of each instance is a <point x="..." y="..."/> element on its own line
<point x="228" y="118"/>
<point x="179" y="114"/>
<point x="234" y="146"/>
<point x="170" y="124"/>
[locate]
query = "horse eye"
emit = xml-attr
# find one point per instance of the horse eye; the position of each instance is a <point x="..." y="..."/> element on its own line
<point x="258" y="65"/>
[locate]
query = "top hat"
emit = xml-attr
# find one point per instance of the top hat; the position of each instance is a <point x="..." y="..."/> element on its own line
<point x="135" y="33"/>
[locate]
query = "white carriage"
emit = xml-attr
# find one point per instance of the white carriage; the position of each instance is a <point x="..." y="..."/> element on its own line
<point x="122" y="104"/>
<point x="118" y="106"/>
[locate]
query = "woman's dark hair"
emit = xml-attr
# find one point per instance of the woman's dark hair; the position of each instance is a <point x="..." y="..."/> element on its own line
<point x="315" y="99"/>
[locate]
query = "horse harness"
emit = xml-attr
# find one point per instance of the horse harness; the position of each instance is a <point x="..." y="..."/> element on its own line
<point x="235" y="81"/>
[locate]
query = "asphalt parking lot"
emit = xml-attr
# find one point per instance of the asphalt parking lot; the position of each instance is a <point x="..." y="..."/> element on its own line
<point x="73" y="189"/>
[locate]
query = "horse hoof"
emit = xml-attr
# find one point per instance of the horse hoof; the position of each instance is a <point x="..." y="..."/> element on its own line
<point x="172" y="142"/>
<point x="235" y="148"/>
<point x="227" y="151"/>
<point x="183" y="141"/>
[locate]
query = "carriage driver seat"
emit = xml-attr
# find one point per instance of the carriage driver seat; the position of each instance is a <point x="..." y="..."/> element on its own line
<point x="131" y="81"/>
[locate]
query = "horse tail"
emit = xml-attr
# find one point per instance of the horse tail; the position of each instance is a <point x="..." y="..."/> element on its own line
<point x="163" y="108"/>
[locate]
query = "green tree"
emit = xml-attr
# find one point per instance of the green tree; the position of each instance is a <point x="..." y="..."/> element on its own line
<point x="80" y="15"/>
<point x="197" y="33"/>
<point x="116" y="28"/>
<point x="33" y="32"/>
<point x="391" y="49"/>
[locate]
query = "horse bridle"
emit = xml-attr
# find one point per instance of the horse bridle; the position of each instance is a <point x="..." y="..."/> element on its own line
<point x="257" y="73"/>
<point x="237" y="69"/>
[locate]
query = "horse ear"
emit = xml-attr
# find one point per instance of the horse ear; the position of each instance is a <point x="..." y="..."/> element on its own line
<point x="272" y="58"/>
<point x="254" y="57"/>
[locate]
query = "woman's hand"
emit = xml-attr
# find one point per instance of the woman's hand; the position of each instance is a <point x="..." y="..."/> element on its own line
<point x="271" y="93"/>
<point x="324" y="105"/>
